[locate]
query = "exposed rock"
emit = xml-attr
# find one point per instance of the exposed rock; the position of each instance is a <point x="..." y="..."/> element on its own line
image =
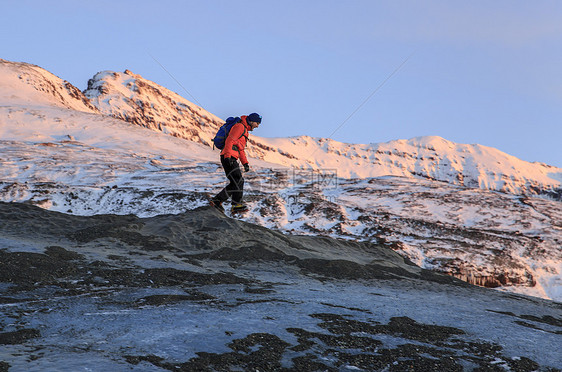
<point x="18" y="337"/>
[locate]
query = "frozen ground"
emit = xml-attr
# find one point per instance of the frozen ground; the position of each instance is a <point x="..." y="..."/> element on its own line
<point x="200" y="291"/>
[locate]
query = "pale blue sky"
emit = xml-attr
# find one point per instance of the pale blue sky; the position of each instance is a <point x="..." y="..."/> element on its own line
<point x="487" y="72"/>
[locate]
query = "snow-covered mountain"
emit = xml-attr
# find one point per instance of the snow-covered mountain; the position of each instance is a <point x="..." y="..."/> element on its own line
<point x="139" y="101"/>
<point x="27" y="85"/>
<point x="431" y="157"/>
<point x="127" y="145"/>
<point x="129" y="97"/>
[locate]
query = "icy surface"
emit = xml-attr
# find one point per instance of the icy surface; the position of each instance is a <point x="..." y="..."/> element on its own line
<point x="105" y="297"/>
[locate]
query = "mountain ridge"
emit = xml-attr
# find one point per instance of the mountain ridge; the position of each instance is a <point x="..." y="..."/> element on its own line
<point x="87" y="162"/>
<point x="130" y="97"/>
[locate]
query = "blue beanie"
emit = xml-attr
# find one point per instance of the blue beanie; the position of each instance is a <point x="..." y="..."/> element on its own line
<point x="254" y="117"/>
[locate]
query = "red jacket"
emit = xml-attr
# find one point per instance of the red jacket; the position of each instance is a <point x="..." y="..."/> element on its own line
<point x="236" y="141"/>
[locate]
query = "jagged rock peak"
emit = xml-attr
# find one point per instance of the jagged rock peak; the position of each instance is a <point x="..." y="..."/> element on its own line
<point x="130" y="73"/>
<point x="130" y="97"/>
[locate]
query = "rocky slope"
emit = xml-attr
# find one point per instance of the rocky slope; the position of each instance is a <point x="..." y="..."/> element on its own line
<point x="487" y="238"/>
<point x="58" y="152"/>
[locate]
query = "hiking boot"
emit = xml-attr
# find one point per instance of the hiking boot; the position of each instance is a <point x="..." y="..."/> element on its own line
<point x="217" y="204"/>
<point x="239" y="208"/>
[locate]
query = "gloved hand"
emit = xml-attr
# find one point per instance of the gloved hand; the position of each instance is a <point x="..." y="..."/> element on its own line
<point x="246" y="167"/>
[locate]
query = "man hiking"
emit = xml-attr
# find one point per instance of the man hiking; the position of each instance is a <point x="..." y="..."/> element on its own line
<point x="232" y="152"/>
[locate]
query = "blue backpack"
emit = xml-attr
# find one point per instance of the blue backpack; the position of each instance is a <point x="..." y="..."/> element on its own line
<point x="222" y="134"/>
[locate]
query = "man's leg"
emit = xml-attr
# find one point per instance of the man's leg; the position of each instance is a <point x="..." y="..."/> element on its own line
<point x="235" y="189"/>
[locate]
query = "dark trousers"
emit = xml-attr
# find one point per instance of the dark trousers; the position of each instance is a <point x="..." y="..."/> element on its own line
<point x="235" y="189"/>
